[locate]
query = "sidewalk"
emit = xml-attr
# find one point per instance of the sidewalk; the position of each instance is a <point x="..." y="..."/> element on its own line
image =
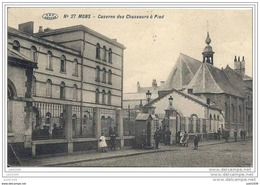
<point x="94" y="155"/>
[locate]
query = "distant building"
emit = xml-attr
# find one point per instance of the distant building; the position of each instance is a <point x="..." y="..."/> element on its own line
<point x="229" y="88"/>
<point x="224" y="94"/>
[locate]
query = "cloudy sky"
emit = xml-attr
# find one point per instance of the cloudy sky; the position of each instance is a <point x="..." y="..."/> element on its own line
<point x="153" y="45"/>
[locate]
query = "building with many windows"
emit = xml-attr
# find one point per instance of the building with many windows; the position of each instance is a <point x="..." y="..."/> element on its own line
<point x="78" y="68"/>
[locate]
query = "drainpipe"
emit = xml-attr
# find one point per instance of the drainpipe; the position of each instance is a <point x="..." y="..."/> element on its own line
<point x="81" y="77"/>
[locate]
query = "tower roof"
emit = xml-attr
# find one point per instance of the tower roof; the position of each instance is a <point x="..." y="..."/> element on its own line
<point x="208" y="40"/>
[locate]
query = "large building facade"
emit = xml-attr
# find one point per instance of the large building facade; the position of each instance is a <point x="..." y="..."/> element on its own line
<point x="76" y="90"/>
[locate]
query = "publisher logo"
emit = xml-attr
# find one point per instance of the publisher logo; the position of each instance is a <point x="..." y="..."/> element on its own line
<point x="50" y="16"/>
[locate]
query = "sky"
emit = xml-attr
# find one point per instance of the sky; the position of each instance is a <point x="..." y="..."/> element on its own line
<point x="153" y="45"/>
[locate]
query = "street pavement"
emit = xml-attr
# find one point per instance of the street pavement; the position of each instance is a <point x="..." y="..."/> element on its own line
<point x="212" y="153"/>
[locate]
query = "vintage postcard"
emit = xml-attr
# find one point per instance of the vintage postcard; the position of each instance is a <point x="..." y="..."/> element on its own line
<point x="130" y="90"/>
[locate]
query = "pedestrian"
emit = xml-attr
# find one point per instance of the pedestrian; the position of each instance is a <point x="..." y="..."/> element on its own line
<point x="241" y="134"/>
<point x="219" y="133"/>
<point x="244" y="134"/>
<point x="102" y="143"/>
<point x="196" y="142"/>
<point x="113" y="140"/>
<point x="226" y="135"/>
<point x="168" y="134"/>
<point x="186" y="139"/>
<point x="235" y="135"/>
<point x="181" y="137"/>
<point x="178" y="137"/>
<point x="55" y="131"/>
<point x="157" y="138"/>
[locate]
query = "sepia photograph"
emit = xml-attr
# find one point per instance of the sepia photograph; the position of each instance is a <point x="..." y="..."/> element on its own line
<point x="163" y="89"/>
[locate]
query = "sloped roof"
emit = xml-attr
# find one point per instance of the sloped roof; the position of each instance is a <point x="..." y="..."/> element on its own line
<point x="192" y="97"/>
<point x="210" y="79"/>
<point x="182" y="72"/>
<point x="16" y="57"/>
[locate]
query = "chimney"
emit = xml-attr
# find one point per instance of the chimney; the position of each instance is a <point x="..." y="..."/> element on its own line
<point x="26" y="27"/>
<point x="162" y="83"/>
<point x="243" y="67"/>
<point x="154" y="83"/>
<point x="40" y="29"/>
<point x="138" y="87"/>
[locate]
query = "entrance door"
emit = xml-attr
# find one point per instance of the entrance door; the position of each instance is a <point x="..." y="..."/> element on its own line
<point x="148" y="128"/>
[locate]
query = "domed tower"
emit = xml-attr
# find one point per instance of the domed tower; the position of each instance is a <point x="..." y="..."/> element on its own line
<point x="208" y="52"/>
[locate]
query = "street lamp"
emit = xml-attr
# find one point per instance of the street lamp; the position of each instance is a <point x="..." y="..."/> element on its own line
<point x="148" y="95"/>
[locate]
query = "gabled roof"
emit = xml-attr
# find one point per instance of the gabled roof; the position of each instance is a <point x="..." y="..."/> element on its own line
<point x="210" y="79"/>
<point x="197" y="99"/>
<point x="16" y="58"/>
<point x="182" y="72"/>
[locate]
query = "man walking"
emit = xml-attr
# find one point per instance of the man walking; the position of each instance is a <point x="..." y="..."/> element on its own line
<point x="235" y="135"/>
<point x="219" y="133"/>
<point x="157" y="138"/>
<point x="196" y="141"/>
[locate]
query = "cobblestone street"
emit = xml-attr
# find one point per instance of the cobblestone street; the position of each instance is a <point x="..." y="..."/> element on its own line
<point x="232" y="154"/>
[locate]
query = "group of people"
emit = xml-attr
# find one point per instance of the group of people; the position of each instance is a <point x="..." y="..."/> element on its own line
<point x="102" y="144"/>
<point x="226" y="134"/>
<point x="165" y="137"/>
<point x="182" y="138"/>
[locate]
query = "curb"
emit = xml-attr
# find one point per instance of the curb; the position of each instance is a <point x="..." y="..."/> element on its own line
<point x="126" y="155"/>
<point x="108" y="157"/>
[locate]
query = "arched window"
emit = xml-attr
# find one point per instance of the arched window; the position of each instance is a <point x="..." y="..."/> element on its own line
<point x="197" y="125"/>
<point x="109" y="76"/>
<point x="97" y="95"/>
<point x="34" y="53"/>
<point x="76" y="70"/>
<point x="109" y="98"/>
<point x="226" y="112"/>
<point x="48" y="119"/>
<point x="48" y="88"/>
<point x="74" y="122"/>
<point x="104" y="76"/>
<point x="110" y="55"/>
<point x="33" y="86"/>
<point x="62" y="91"/>
<point x="75" y="92"/>
<point x="104" y="53"/>
<point x="191" y="125"/>
<point x="49" y="60"/>
<point x="97" y="74"/>
<point x="210" y="120"/>
<point x="16" y="45"/>
<point x="63" y="64"/>
<point x="98" y="51"/>
<point x="103" y="97"/>
<point x="232" y="113"/>
<point x="240" y="115"/>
